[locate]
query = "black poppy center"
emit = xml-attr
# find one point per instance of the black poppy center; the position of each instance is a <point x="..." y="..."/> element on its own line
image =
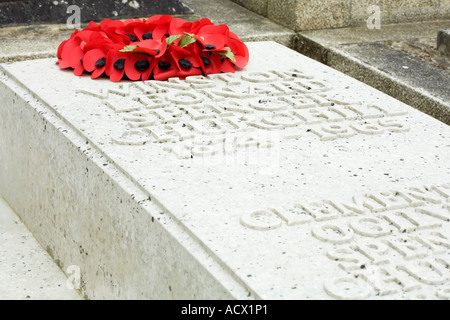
<point x="163" y="65"/>
<point x="132" y="37"/>
<point x="210" y="47"/>
<point x="185" y="64"/>
<point x="100" y="63"/>
<point x="206" y="61"/>
<point x="167" y="35"/>
<point x="147" y="36"/>
<point x="119" y="64"/>
<point x="142" y="65"/>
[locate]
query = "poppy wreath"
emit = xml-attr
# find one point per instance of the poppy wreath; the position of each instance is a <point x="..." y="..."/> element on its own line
<point x="157" y="48"/>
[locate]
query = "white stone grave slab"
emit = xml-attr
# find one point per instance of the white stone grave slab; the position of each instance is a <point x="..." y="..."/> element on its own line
<point x="286" y="180"/>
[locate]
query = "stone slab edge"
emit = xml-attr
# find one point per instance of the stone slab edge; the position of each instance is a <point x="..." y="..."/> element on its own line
<point x="350" y="64"/>
<point x="126" y="245"/>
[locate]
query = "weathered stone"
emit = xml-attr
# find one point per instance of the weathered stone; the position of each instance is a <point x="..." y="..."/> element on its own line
<point x="41" y="41"/>
<point x="443" y="42"/>
<point x="400" y="75"/>
<point x="27" y="12"/>
<point x="310" y="15"/>
<point x="258" y="6"/>
<point x="26" y="270"/>
<point x="287" y="180"/>
<point x="398" y="11"/>
<point x="362" y="54"/>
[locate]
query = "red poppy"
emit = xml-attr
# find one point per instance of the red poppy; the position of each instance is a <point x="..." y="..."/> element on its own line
<point x="151" y="47"/>
<point x="95" y="27"/>
<point x="142" y="48"/>
<point x="127" y="29"/>
<point x="95" y="61"/>
<point x="187" y="62"/>
<point x="115" y="64"/>
<point x="139" y="66"/>
<point x="227" y="66"/>
<point x="165" y="68"/>
<point x="211" y="63"/>
<point x="213" y="37"/>
<point x="72" y="56"/>
<point x="240" y="51"/>
<point x="197" y="25"/>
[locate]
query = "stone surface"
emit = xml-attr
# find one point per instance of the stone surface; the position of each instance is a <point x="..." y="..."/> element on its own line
<point x="302" y="15"/>
<point x="443" y="42"/>
<point x="359" y="53"/>
<point x="41" y="41"/>
<point x="21" y="12"/>
<point x="310" y="15"/>
<point x="288" y="180"/>
<point x="423" y="49"/>
<point x="26" y="270"/>
<point x="258" y="6"/>
<point x="399" y="11"/>
<point x="407" y="71"/>
<point x="248" y="25"/>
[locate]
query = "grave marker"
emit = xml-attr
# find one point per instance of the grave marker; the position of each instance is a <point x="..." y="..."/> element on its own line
<point x="286" y="180"/>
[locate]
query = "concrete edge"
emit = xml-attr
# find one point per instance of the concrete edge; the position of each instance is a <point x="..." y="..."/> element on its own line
<point x="351" y="65"/>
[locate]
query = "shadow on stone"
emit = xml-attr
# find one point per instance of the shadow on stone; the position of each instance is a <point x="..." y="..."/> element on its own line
<point x="57" y="11"/>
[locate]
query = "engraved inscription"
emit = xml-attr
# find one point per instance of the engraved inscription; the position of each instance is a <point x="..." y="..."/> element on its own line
<point x="176" y="112"/>
<point x="387" y="244"/>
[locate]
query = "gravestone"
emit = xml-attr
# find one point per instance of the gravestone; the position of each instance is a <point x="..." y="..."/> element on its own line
<point x="19" y="12"/>
<point x="286" y="180"/>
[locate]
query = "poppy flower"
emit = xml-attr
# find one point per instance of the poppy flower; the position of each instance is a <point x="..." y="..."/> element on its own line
<point x="227" y="66"/>
<point x="165" y="68"/>
<point x="139" y="66"/>
<point x="115" y="64"/>
<point x="72" y="56"/>
<point x="213" y="37"/>
<point x="199" y="24"/>
<point x="95" y="61"/>
<point x="127" y="29"/>
<point x="187" y="62"/>
<point x="151" y="47"/>
<point x="211" y="63"/>
<point x="240" y="51"/>
<point x="160" y="47"/>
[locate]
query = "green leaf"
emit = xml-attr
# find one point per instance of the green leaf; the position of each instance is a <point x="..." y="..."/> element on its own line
<point x="143" y="52"/>
<point x="172" y="39"/>
<point x="227" y="54"/>
<point x="128" y="48"/>
<point x="187" y="40"/>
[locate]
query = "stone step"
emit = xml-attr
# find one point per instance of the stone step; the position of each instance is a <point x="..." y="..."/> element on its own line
<point x="287" y="180"/>
<point x="26" y="12"/>
<point x="369" y="56"/>
<point x="301" y="15"/>
<point x="26" y="270"/>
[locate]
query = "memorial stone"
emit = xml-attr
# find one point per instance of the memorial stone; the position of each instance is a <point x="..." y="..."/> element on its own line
<point x="18" y="12"/>
<point x="286" y="180"/>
